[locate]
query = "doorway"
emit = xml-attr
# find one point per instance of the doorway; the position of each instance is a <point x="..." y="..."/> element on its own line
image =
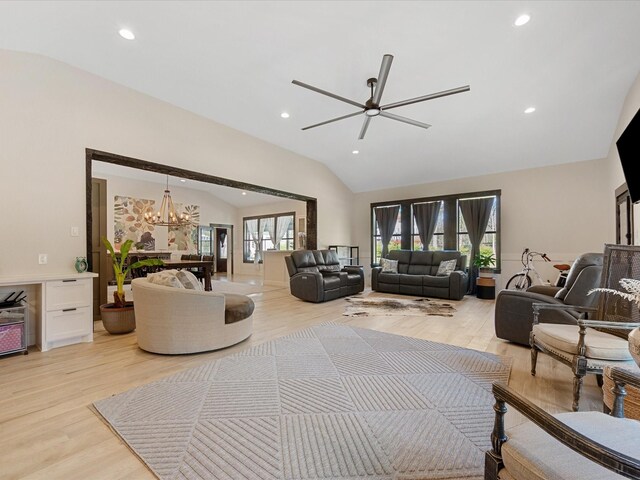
<point x="221" y="250"/>
<point x="624" y="216"/>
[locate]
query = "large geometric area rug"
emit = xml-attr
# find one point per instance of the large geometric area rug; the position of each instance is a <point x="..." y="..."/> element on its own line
<point x="377" y="306"/>
<point x="331" y="401"/>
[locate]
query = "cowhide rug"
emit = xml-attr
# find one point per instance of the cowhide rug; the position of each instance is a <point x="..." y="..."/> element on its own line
<point x="379" y="306"/>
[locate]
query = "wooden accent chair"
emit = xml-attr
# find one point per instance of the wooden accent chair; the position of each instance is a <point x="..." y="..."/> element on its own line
<point x="591" y="345"/>
<point x="566" y="446"/>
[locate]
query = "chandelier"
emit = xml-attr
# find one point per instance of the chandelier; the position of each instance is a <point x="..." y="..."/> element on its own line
<point x="167" y="216"/>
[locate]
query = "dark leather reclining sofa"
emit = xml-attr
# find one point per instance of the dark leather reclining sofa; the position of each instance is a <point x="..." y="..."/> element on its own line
<point x="417" y="275"/>
<point x="316" y="276"/>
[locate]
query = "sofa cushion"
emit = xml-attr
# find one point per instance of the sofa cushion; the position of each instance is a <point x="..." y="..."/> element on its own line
<point x="331" y="281"/>
<point x="410" y="279"/>
<point x="403" y="257"/>
<point x="237" y="307"/>
<point x="435" y="281"/>
<point x="441" y="255"/>
<point x="389" y="266"/>
<point x="598" y="344"/>
<point x="422" y="258"/>
<point x="166" y="278"/>
<point x="305" y="260"/>
<point x="389" y="278"/>
<point x="331" y="261"/>
<point x="419" y="269"/>
<point x="532" y="453"/>
<point x="446" y="267"/>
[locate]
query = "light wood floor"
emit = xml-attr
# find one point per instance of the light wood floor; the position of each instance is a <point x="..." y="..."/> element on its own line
<point x="47" y="430"/>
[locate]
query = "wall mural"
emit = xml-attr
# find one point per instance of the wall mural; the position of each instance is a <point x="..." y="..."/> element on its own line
<point x="185" y="238"/>
<point x="129" y="223"/>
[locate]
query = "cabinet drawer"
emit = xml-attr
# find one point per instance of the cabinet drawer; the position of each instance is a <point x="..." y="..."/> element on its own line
<point x="69" y="323"/>
<point x="73" y="293"/>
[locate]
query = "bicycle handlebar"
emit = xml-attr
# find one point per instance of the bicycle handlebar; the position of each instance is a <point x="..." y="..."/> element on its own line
<point x="528" y="255"/>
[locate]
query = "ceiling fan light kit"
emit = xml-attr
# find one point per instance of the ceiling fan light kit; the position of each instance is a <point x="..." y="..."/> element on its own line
<point x="372" y="108"/>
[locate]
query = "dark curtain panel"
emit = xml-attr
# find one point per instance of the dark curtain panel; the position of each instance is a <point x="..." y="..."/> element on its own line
<point x="426" y="215"/>
<point x="386" y="218"/>
<point x="476" y="213"/>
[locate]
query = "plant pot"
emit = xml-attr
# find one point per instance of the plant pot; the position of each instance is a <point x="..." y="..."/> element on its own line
<point x="634" y="344"/>
<point x="118" y="320"/>
<point x="485" y="272"/>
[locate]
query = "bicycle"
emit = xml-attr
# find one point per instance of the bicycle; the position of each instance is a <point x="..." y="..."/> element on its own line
<point x="522" y="279"/>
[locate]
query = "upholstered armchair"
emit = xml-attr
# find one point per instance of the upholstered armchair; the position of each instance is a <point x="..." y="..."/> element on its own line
<point x="178" y="320"/>
<point x="591" y="344"/>
<point x="514" y="309"/>
<point x="566" y="446"/>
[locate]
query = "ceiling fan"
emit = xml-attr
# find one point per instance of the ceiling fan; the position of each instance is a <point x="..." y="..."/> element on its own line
<point x="372" y="108"/>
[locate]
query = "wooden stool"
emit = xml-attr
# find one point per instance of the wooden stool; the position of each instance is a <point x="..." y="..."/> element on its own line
<point x="631" y="401"/>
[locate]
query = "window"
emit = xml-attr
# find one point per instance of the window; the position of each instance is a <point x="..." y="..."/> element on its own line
<point x="437" y="241"/>
<point x="489" y="241"/>
<point x="396" y="239"/>
<point x="450" y="232"/>
<point x="267" y="232"/>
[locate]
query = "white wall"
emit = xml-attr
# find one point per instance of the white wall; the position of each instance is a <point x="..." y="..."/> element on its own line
<point x="616" y="176"/>
<point x="50" y="112"/>
<point x="562" y="210"/>
<point x="300" y="208"/>
<point x="212" y="208"/>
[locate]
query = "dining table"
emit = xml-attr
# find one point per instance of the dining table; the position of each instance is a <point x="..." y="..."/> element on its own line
<point x="205" y="267"/>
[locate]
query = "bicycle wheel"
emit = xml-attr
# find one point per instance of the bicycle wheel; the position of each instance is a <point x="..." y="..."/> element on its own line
<point x="519" y="281"/>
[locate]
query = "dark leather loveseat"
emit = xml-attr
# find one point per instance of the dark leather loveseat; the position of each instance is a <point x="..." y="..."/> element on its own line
<point x="417" y="275"/>
<point x="316" y="276"/>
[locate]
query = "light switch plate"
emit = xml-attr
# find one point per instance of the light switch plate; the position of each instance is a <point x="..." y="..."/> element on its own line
<point x="75" y="232"/>
<point x="42" y="258"/>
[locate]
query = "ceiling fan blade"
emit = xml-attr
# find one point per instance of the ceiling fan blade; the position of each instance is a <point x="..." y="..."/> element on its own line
<point x="404" y="119"/>
<point x="328" y="94"/>
<point x="431" y="96"/>
<point x="382" y="78"/>
<point x="332" y="120"/>
<point x="365" y="125"/>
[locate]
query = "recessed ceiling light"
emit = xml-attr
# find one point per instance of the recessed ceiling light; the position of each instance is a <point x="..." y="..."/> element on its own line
<point x="244" y="193"/>
<point x="126" y="34"/>
<point x="182" y="180"/>
<point x="521" y="20"/>
<point x="355" y="152"/>
<point x="284" y="115"/>
<point x="530" y="110"/>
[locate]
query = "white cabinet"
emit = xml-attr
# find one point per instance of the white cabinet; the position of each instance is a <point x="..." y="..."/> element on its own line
<point x="65" y="313"/>
<point x="68" y="317"/>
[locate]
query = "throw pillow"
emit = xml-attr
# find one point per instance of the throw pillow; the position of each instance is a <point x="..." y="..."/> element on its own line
<point x="446" y="267"/>
<point x="189" y="280"/>
<point x="389" y="266"/>
<point x="167" y="278"/>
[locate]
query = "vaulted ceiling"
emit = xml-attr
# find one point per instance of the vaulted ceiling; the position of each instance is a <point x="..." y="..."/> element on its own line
<point x="234" y="62"/>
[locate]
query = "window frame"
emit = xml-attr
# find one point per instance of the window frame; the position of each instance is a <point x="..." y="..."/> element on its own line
<point x="450" y="220"/>
<point x="260" y="218"/>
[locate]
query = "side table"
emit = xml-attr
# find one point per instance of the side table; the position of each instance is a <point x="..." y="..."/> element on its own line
<point x="486" y="288"/>
<point x="631" y="401"/>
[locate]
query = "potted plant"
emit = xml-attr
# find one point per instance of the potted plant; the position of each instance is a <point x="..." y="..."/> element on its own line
<point x="118" y="317"/>
<point x="483" y="262"/>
